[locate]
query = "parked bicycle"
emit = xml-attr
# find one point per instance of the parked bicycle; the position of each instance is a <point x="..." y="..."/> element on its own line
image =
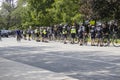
<point x="113" y="39"/>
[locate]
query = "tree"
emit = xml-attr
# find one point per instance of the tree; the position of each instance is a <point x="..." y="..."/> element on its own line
<point x="39" y="11"/>
<point x="48" y="12"/>
<point x="5" y="14"/>
<point x="65" y="11"/>
<point x="21" y="15"/>
<point x="86" y="9"/>
<point x="107" y="9"/>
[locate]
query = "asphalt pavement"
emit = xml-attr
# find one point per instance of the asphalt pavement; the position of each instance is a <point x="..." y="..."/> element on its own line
<point x="30" y="60"/>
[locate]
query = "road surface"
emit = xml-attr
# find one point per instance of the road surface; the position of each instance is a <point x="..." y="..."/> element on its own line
<point x="30" y="60"/>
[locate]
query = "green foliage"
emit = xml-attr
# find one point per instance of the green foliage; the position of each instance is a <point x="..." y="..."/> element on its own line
<point x="39" y="11"/>
<point x="107" y="9"/>
<point x="5" y="15"/>
<point x="65" y="11"/>
<point x="86" y="9"/>
<point x="49" y="12"/>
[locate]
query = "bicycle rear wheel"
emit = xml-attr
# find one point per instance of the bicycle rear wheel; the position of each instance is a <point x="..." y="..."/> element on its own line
<point x="106" y="42"/>
<point x="116" y="41"/>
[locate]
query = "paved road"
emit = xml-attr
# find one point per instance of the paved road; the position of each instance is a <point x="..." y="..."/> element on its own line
<point x="30" y="60"/>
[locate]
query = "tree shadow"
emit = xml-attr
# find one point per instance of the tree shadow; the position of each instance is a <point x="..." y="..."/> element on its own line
<point x="80" y="65"/>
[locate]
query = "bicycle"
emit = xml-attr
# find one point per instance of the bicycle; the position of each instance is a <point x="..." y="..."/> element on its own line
<point x="116" y="39"/>
<point x="113" y="39"/>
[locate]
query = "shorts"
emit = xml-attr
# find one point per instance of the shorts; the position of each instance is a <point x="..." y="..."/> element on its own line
<point x="29" y="35"/>
<point x="37" y="35"/>
<point x="99" y="36"/>
<point x="64" y="35"/>
<point x="45" y="35"/>
<point x="73" y="35"/>
<point x="80" y="36"/>
<point x="92" y="36"/>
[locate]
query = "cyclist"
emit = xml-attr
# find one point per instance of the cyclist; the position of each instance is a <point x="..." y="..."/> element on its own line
<point x="0" y="35"/>
<point x="18" y="33"/>
<point x="32" y="34"/>
<point x="115" y="28"/>
<point x="99" y="32"/>
<point x="81" y="32"/>
<point x="55" y="33"/>
<point x="25" y="34"/>
<point x="64" y="33"/>
<point x="73" y="34"/>
<point x="59" y="31"/>
<point x="106" y="32"/>
<point x="44" y="33"/>
<point x="92" y="34"/>
<point x="49" y="29"/>
<point x="37" y="34"/>
<point x="29" y="34"/>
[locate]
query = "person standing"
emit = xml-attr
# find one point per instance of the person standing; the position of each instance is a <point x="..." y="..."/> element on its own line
<point x="18" y="34"/>
<point x="24" y="34"/>
<point x="0" y="36"/>
<point x="64" y="33"/>
<point x="81" y="32"/>
<point x="99" y="34"/>
<point x="44" y="32"/>
<point x="37" y="34"/>
<point x="92" y="35"/>
<point x="73" y="34"/>
<point x="29" y="34"/>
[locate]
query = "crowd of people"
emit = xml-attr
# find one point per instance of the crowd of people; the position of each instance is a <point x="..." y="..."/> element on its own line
<point x="75" y="33"/>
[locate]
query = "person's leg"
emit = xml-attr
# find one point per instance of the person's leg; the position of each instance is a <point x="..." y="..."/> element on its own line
<point x="81" y="41"/>
<point x="0" y="38"/>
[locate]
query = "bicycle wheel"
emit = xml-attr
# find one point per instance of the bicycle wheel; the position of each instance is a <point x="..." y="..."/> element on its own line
<point x="116" y="41"/>
<point x="106" y="42"/>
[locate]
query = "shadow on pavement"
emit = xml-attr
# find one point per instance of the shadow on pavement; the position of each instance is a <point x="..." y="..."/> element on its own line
<point x="80" y="65"/>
